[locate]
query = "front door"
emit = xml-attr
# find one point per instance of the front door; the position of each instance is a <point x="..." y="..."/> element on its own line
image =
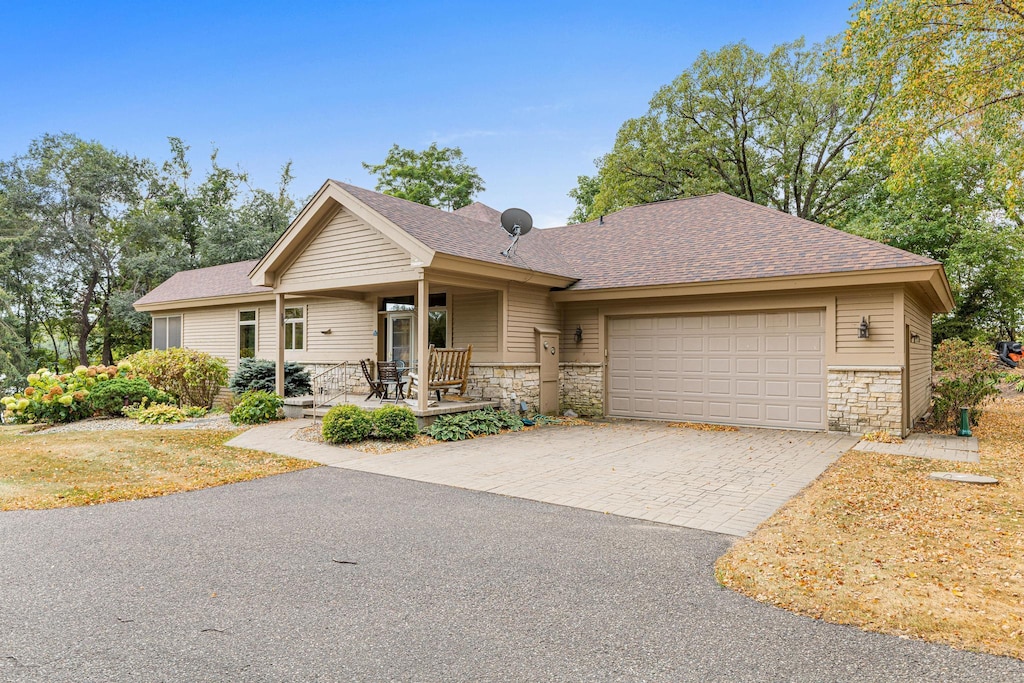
<point x="547" y="351"/>
<point x="401" y="341"/>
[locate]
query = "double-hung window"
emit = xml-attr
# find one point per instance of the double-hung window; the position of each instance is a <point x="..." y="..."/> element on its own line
<point x="294" y="328"/>
<point x="166" y="332"/>
<point x="246" y="334"/>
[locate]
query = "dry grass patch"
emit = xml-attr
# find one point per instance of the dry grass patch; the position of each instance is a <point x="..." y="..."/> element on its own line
<point x="85" y="468"/>
<point x="876" y="544"/>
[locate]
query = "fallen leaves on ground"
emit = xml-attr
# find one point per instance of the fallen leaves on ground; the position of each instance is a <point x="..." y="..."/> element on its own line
<point x="881" y="436"/>
<point x="703" y="427"/>
<point x="876" y="544"/>
<point x="85" y="468"/>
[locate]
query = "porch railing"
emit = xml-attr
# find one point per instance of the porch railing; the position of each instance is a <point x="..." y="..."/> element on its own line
<point x="328" y="385"/>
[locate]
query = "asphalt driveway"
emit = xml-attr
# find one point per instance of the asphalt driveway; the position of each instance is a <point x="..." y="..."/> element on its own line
<point x="335" y="575"/>
<point x="724" y="481"/>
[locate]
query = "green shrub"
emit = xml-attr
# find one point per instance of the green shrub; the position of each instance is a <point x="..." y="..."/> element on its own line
<point x="395" y="423"/>
<point x="344" y="424"/>
<point x="158" y="414"/>
<point x="968" y="376"/>
<point x="194" y="411"/>
<point x="257" y="407"/>
<point x="52" y="397"/>
<point x="113" y="396"/>
<point x="255" y="374"/>
<point x="192" y="377"/>
<point x="454" y="427"/>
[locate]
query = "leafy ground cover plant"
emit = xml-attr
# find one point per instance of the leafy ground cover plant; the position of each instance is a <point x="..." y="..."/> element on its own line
<point x="158" y="414"/>
<point x="345" y="424"/>
<point x="968" y="376"/>
<point x="52" y="397"/>
<point x="394" y="423"/>
<point x="192" y="377"/>
<point x="113" y="396"/>
<point x="256" y="374"/>
<point x="257" y="407"/>
<point x="459" y="426"/>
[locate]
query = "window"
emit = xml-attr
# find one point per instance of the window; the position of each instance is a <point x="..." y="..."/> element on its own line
<point x="246" y="334"/>
<point x="294" y="328"/>
<point x="438" y="320"/>
<point x="166" y="332"/>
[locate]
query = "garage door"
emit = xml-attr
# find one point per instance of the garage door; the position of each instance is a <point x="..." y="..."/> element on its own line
<point x="763" y="369"/>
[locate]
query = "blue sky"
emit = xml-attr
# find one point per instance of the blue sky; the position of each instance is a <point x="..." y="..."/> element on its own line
<point x="531" y="91"/>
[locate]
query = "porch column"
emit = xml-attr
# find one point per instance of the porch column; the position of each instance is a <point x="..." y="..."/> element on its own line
<point x="279" y="370"/>
<point x="422" y="340"/>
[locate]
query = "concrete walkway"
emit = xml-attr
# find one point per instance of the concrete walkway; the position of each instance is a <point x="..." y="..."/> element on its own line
<point x="728" y="482"/>
<point x="934" y="446"/>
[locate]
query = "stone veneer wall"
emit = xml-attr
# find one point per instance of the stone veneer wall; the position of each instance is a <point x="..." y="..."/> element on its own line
<point x="498" y="381"/>
<point x="862" y="400"/>
<point x="581" y="388"/>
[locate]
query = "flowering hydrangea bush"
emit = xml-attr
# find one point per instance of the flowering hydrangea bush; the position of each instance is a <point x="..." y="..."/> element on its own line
<point x="52" y="397"/>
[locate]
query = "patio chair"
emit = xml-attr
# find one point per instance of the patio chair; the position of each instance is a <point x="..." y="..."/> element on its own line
<point x="376" y="387"/>
<point x="391" y="379"/>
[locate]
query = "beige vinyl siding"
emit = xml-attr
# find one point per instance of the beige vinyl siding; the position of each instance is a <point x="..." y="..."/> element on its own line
<point x="920" y="321"/>
<point x="351" y="324"/>
<point x="878" y="306"/>
<point x="345" y="246"/>
<point x="586" y="318"/>
<point x="213" y="330"/>
<point x="266" y="332"/>
<point x="528" y="308"/>
<point x="474" y="320"/>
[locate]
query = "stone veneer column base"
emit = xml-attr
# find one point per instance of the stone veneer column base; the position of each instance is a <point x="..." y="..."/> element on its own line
<point x="865" y="399"/>
<point x="498" y="381"/>
<point x="581" y="388"/>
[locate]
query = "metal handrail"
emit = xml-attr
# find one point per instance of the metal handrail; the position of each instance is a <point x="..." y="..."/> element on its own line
<point x="324" y="382"/>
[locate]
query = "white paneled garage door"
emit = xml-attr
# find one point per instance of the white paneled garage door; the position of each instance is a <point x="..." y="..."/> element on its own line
<point x="763" y="369"/>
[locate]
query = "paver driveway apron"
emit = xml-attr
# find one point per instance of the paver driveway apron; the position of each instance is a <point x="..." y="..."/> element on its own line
<point x="727" y="482"/>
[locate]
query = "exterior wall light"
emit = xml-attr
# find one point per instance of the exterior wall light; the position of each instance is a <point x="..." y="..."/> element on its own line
<point x="863" y="332"/>
<point x="578" y="335"/>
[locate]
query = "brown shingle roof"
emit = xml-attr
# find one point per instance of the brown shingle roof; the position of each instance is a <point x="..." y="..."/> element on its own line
<point x="461" y="235"/>
<point x="480" y="212"/>
<point x="699" y="239"/>
<point x="710" y="238"/>
<point x="230" y="279"/>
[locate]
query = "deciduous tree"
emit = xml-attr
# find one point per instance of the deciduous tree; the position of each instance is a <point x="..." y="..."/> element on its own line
<point x="776" y="129"/>
<point x="943" y="68"/>
<point x="437" y="177"/>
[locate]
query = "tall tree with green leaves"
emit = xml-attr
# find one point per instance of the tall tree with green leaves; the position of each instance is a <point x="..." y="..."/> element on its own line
<point x="949" y="212"/>
<point x="942" y="69"/>
<point x="775" y="128"/>
<point x="437" y="177"/>
<point x="71" y="195"/>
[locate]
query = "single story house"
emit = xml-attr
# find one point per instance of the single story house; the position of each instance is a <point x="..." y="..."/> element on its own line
<point x="709" y="309"/>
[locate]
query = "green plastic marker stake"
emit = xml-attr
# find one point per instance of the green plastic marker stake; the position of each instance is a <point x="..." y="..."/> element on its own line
<point x="965" y="422"/>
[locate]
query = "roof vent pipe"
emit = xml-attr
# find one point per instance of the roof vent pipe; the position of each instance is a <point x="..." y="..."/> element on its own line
<point x="600" y="221"/>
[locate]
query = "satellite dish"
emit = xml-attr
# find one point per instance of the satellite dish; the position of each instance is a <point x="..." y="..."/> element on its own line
<point x="516" y="222"/>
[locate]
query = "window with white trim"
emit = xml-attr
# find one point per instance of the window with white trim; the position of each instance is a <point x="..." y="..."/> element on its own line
<point x="166" y="332"/>
<point x="294" y="328"/>
<point x="246" y="334"/>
